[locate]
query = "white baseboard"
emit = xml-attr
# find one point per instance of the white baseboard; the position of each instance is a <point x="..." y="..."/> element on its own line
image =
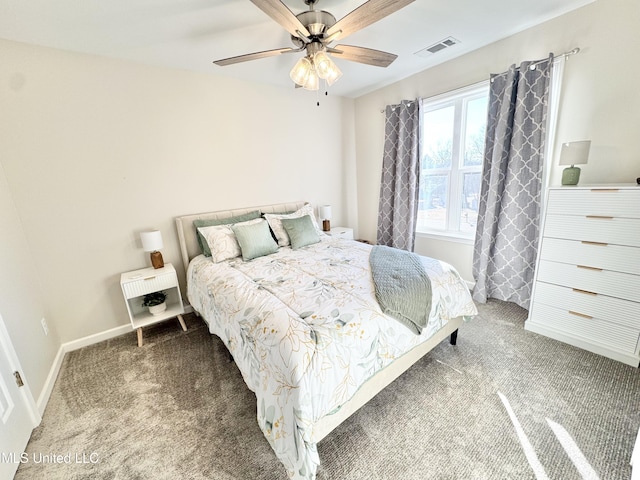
<point x="96" y="338"/>
<point x="43" y="399"/>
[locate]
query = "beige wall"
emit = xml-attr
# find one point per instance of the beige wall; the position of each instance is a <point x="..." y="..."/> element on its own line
<point x="95" y="150"/>
<point x="600" y="101"/>
<point x="21" y="300"/>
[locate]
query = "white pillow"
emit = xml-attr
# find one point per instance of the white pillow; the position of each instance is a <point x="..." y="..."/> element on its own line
<point x="222" y="241"/>
<point x="275" y="222"/>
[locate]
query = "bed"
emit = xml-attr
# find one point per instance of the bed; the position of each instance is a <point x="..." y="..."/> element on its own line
<point x="304" y="327"/>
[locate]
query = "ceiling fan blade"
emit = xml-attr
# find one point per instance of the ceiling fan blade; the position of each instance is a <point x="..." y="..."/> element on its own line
<point x="281" y="14"/>
<point x="253" y="56"/>
<point x="363" y="55"/>
<point x="366" y="14"/>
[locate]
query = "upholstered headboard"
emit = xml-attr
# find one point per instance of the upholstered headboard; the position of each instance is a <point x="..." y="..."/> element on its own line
<point x="187" y="235"/>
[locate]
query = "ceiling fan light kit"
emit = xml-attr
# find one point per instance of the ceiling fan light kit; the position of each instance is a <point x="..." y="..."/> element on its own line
<point x="308" y="70"/>
<point x="314" y="30"/>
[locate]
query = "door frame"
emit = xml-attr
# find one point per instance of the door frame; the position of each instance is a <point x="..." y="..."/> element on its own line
<point x="14" y="364"/>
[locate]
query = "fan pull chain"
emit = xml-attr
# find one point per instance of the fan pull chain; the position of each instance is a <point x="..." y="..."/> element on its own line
<point x="326" y="93"/>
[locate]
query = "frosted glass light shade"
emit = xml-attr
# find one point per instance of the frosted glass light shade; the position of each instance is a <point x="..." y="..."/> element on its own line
<point x="312" y="83"/>
<point x="151" y="241"/>
<point x="300" y="71"/>
<point x="334" y="75"/>
<point x="323" y="64"/>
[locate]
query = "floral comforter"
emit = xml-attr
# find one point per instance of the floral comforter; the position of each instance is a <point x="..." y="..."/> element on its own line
<point x="306" y="332"/>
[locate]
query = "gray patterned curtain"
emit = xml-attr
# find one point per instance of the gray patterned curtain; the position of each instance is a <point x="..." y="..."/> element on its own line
<point x="509" y="210"/>
<point x="398" y="208"/>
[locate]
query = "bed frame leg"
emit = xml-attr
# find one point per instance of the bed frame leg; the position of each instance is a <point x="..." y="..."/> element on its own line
<point x="454" y="337"/>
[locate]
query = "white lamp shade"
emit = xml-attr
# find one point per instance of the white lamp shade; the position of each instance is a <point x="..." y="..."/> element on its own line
<point x="325" y="212"/>
<point x="575" y="153"/>
<point x="151" y="241"/>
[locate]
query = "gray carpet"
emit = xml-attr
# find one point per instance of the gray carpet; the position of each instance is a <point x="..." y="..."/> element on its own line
<point x="178" y="409"/>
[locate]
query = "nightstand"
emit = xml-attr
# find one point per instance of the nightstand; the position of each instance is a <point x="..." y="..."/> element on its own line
<point x="136" y="284"/>
<point x="341" y="232"/>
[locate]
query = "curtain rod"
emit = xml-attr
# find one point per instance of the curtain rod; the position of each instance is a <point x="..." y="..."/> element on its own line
<point x="557" y="57"/>
<point x="532" y="66"/>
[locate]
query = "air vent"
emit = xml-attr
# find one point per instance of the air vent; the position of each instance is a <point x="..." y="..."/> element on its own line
<point x="436" y="47"/>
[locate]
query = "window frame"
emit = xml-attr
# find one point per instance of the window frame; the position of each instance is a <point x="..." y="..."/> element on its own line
<point x="458" y="98"/>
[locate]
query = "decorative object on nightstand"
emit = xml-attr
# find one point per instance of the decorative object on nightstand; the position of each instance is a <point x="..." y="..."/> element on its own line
<point x="152" y="242"/>
<point x="573" y="153"/>
<point x="325" y="215"/>
<point x="155" y="302"/>
<point x="341" y="232"/>
<point x="143" y="288"/>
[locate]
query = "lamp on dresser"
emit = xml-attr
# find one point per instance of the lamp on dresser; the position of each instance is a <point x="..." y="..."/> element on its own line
<point x="152" y="242"/>
<point x="325" y="215"/>
<point x="573" y="153"/>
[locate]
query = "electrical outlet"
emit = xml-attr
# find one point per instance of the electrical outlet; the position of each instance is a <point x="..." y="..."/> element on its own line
<point x="45" y="327"/>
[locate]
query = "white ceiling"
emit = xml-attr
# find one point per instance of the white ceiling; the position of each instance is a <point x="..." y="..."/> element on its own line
<point x="190" y="34"/>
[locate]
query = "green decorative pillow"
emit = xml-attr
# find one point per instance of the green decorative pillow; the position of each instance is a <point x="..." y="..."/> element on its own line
<point x="275" y="222"/>
<point x="255" y="240"/>
<point x="204" y="246"/>
<point x="301" y="231"/>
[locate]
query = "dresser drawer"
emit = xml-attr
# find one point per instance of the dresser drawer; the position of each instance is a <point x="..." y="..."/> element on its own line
<point x="597" y="201"/>
<point x="148" y="284"/>
<point x="592" y="330"/>
<point x="618" y="258"/>
<point x="606" y="282"/>
<point x="619" y="231"/>
<point x="611" y="309"/>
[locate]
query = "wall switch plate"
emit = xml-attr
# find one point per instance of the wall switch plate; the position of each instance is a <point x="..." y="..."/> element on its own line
<point x="45" y="327"/>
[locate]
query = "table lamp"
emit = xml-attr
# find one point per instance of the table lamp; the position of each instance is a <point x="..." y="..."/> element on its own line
<point x="325" y="215"/>
<point x="573" y="153"/>
<point x="152" y="242"/>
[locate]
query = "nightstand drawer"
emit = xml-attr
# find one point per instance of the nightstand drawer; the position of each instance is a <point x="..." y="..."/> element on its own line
<point x="341" y="232"/>
<point x="614" y="284"/>
<point x="589" y="329"/>
<point x="148" y="284"/>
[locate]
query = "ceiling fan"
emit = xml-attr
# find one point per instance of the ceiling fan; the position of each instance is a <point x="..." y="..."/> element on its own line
<point x="314" y="30"/>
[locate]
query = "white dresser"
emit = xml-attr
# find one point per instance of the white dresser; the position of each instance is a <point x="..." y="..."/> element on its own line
<point x="587" y="284"/>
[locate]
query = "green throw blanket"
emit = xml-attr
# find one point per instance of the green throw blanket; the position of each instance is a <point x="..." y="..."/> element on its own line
<point x="402" y="286"/>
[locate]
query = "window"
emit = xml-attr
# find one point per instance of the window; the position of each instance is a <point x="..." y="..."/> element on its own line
<point x="452" y="147"/>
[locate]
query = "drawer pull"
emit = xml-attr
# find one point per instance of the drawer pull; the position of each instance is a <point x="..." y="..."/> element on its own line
<point x="589" y="268"/>
<point x="149" y="278"/>
<point x="586" y="292"/>
<point x="605" y="189"/>
<point x="580" y="315"/>
<point x="600" y="244"/>
<point x="601" y="217"/>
